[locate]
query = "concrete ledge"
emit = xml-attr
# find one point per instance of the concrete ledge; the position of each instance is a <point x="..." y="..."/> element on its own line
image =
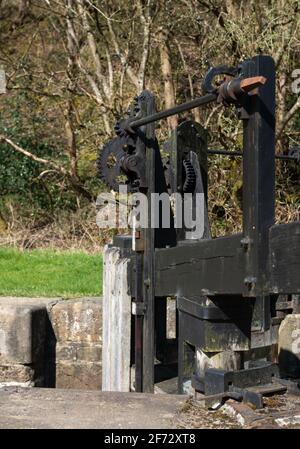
<point x="43" y="408"/>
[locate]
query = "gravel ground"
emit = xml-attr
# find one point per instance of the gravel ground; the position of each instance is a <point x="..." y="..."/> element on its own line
<point x="194" y="416"/>
<point x="280" y="411"/>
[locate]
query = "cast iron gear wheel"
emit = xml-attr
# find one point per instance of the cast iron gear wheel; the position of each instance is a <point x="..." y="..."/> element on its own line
<point x="189" y="177"/>
<point x="122" y="124"/>
<point x="109" y="165"/>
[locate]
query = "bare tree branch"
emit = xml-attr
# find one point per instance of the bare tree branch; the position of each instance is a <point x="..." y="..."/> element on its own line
<point x="288" y="116"/>
<point x="73" y="181"/>
<point x="74" y="53"/>
<point x="146" y="21"/>
<point x="93" y="49"/>
<point x="32" y="156"/>
<point x="166" y="70"/>
<point x="123" y="59"/>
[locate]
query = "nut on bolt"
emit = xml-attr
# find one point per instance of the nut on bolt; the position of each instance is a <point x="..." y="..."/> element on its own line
<point x="245" y="243"/>
<point x="147" y="282"/>
<point x="233" y="89"/>
<point x="250" y="282"/>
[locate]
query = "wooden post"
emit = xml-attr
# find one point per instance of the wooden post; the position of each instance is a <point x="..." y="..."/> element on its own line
<point x="116" y="347"/>
<point x="148" y="266"/>
<point x="259" y="188"/>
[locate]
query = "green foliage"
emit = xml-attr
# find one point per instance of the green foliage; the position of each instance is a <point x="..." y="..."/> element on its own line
<point x="19" y="175"/>
<point x="80" y="83"/>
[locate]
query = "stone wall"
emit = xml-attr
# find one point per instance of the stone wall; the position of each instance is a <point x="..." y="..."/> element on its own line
<point x="51" y="342"/>
<point x="77" y="326"/>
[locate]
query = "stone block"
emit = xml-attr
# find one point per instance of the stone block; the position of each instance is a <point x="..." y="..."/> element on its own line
<point x="77" y="320"/>
<point x="79" y="375"/>
<point x="289" y="346"/>
<point x="15" y="374"/>
<point x="22" y="332"/>
<point x="70" y="352"/>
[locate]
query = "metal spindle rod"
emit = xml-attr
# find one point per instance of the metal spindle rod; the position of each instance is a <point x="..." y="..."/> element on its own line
<point x="245" y="85"/>
<point x="209" y="98"/>
<point x="284" y="157"/>
<point x="225" y="153"/>
<point x="173" y="111"/>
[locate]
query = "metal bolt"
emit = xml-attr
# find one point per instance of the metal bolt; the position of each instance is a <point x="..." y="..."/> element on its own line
<point x="147" y="283"/>
<point x="245" y="242"/>
<point x="250" y="282"/>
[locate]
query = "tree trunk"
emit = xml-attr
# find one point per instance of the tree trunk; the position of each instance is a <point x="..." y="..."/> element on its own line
<point x="71" y="139"/>
<point x="166" y="69"/>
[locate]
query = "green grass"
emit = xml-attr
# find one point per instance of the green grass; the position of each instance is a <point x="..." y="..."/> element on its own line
<point x="49" y="273"/>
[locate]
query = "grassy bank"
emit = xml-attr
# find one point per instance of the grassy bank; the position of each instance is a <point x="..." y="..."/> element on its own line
<point x="49" y="273"/>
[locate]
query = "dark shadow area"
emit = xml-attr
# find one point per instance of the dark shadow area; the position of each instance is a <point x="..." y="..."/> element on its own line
<point x="289" y="364"/>
<point x="49" y="355"/>
<point x="163" y="372"/>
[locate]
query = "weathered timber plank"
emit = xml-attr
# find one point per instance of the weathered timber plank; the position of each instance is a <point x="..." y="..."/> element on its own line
<point x="116" y="321"/>
<point x="285" y="258"/>
<point x="207" y="267"/>
<point x="259" y="179"/>
<point x="148" y="344"/>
